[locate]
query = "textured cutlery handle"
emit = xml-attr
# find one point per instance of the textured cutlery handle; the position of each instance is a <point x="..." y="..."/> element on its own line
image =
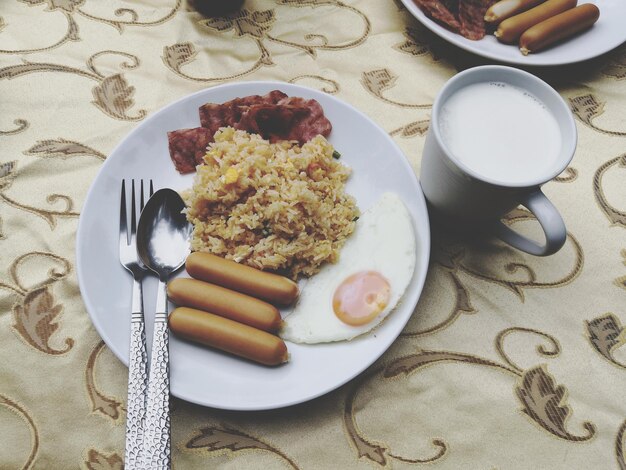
<point x="137" y="385"/>
<point x="156" y="439"/>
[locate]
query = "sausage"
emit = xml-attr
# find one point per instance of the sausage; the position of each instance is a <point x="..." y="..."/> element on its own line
<point x="558" y="27"/>
<point x="511" y="29"/>
<point x="267" y="286"/>
<point x="504" y="9"/>
<point x="224" y="302"/>
<point x="228" y="335"/>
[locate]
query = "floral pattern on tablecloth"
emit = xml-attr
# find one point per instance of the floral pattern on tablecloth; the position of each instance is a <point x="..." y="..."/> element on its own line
<point x="509" y="361"/>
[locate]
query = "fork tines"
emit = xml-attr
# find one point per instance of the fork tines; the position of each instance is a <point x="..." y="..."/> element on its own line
<point x="133" y="209"/>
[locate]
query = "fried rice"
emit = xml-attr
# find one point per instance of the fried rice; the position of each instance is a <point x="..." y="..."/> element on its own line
<point x="276" y="206"/>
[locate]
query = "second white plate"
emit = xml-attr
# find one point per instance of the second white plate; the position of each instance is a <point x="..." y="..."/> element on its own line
<point x="608" y="33"/>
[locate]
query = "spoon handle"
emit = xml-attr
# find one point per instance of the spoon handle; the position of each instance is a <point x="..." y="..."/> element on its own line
<point x="156" y="443"/>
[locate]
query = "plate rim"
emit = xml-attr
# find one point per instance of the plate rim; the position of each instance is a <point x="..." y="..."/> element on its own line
<point x="528" y="61"/>
<point x="421" y="266"/>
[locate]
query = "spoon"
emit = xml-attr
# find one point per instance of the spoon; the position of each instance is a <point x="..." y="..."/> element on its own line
<point x="163" y="245"/>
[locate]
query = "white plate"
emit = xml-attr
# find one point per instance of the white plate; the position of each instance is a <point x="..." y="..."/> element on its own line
<point x="208" y="377"/>
<point x="608" y="33"/>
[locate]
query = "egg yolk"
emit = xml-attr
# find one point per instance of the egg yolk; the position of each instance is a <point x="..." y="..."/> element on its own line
<point x="361" y="297"/>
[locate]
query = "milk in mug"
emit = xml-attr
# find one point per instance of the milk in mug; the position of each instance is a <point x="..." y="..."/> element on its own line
<point x="500" y="132"/>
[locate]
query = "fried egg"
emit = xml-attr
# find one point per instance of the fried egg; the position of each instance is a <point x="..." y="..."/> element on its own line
<point x="351" y="297"/>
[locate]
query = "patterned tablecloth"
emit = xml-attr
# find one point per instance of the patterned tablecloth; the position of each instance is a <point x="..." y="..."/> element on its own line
<point x="509" y="361"/>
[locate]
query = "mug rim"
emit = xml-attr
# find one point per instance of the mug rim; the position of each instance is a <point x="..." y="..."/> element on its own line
<point x="569" y="146"/>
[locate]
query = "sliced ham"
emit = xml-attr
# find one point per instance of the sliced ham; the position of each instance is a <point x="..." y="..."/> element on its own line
<point x="290" y="119"/>
<point x="188" y="146"/>
<point x="272" y="121"/>
<point x="465" y="17"/>
<point x="439" y="12"/>
<point x="307" y="127"/>
<point x="213" y="116"/>
<point x="472" y="18"/>
<point x="275" y="116"/>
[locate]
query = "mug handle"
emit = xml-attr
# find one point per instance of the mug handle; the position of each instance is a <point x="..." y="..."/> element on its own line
<point x="551" y="223"/>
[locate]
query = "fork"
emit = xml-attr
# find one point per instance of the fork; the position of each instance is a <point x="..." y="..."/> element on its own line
<point x="138" y="362"/>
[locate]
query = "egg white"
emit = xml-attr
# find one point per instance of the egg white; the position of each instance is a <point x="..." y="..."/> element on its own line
<point x="383" y="241"/>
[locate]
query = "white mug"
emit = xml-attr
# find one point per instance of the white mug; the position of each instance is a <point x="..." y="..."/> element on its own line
<point x="458" y="192"/>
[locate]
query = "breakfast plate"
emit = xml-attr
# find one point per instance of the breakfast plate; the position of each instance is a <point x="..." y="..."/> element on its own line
<point x="608" y="33"/>
<point x="209" y="377"/>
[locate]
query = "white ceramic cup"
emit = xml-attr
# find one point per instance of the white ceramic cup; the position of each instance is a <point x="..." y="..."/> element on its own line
<point x="456" y="192"/>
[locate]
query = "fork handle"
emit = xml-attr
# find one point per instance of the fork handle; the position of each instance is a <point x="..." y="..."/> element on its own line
<point x="156" y="442"/>
<point x="137" y="385"/>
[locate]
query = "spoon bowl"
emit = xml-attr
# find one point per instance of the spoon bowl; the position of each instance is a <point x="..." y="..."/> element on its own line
<point x="163" y="233"/>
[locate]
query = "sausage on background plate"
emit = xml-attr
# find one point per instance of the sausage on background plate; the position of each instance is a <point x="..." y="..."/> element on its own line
<point x="504" y="9"/>
<point x="559" y="27"/>
<point x="511" y="29"/>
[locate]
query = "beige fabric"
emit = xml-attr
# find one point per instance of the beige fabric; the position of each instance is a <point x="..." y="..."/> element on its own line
<point x="510" y="361"/>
